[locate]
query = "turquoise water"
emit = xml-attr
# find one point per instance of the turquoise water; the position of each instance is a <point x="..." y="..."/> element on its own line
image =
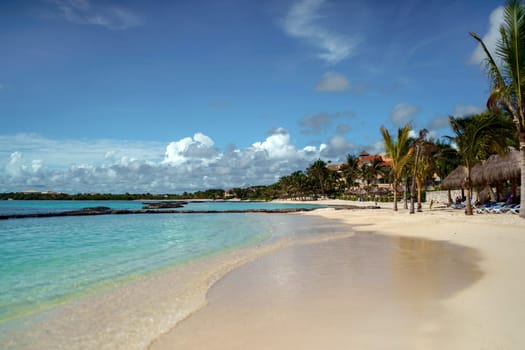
<point x="38" y="206"/>
<point x="28" y="207"/>
<point x="47" y="261"/>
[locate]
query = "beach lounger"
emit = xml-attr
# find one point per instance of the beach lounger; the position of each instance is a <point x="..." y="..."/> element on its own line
<point x="498" y="208"/>
<point x="484" y="208"/>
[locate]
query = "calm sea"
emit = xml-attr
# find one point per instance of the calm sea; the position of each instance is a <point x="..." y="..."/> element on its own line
<point x="46" y="263"/>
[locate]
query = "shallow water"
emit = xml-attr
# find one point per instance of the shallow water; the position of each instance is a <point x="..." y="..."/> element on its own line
<point x="118" y="282"/>
<point x="363" y="292"/>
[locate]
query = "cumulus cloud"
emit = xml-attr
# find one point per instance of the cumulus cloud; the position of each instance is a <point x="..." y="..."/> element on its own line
<point x="337" y="146"/>
<point x="276" y="146"/>
<point x="464" y="110"/>
<point x="332" y="82"/>
<point x="438" y="123"/>
<point x="403" y="113"/>
<point x="343" y="128"/>
<point x="188" y="164"/>
<point x="490" y="39"/>
<point x="376" y="147"/>
<point x="199" y="148"/>
<point x="52" y="153"/>
<point x="108" y="16"/>
<point x="302" y="21"/>
<point x="314" y="124"/>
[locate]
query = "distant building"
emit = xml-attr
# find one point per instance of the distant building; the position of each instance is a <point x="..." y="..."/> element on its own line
<point x="365" y="158"/>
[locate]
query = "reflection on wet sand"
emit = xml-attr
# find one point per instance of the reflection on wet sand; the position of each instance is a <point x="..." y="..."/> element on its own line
<point x="363" y="292"/>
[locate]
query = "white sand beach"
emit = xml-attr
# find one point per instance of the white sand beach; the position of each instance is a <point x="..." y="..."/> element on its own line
<point x="432" y="280"/>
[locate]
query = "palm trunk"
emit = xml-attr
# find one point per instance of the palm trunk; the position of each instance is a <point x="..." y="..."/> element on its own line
<point x="449" y="196"/>
<point x="522" y="165"/>
<point x="468" y="210"/>
<point x="419" y="186"/>
<point x="395" y="194"/>
<point x="405" y="200"/>
<point x="412" y="195"/>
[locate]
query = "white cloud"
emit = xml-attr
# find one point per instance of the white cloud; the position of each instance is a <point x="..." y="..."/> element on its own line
<point x="375" y="147"/>
<point x="302" y="21"/>
<point x="276" y="146"/>
<point x="464" y="110"/>
<point x="343" y="128"/>
<point x="314" y="124"/>
<point x="188" y="164"/>
<point x="402" y="114"/>
<point x="332" y="82"/>
<point x="337" y="146"/>
<point x="438" y="123"/>
<point x="108" y="16"/>
<point x="199" y="148"/>
<point x="490" y="39"/>
<point x="53" y="154"/>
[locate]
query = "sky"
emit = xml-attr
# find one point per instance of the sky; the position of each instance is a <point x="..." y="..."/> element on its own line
<point x="173" y="96"/>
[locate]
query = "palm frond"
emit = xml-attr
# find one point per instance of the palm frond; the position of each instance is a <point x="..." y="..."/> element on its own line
<point x="498" y="82"/>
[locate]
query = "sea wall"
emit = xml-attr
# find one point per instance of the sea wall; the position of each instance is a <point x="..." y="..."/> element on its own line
<point x="442" y="196"/>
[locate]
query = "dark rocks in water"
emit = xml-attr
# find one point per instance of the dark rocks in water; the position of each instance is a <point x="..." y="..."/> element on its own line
<point x="163" y="205"/>
<point x="352" y="206"/>
<point x="109" y="211"/>
<point x="96" y="209"/>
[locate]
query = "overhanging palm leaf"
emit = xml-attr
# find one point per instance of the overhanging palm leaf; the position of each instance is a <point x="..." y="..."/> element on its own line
<point x="477" y="137"/>
<point x="508" y="81"/>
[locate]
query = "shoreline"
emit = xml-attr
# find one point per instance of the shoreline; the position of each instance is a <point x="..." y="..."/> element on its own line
<point x="133" y="314"/>
<point x="485" y="314"/>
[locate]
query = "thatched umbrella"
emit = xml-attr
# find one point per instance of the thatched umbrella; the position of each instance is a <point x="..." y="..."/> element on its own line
<point x="477" y="175"/>
<point x="455" y="180"/>
<point x="500" y="168"/>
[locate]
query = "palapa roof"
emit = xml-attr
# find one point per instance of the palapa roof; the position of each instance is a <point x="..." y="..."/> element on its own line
<point x="495" y="169"/>
<point x="455" y="179"/>
<point x="499" y="168"/>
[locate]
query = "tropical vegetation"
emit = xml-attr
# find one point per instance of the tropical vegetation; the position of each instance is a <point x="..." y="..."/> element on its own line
<point x="399" y="151"/>
<point x="477" y="137"/>
<point x="507" y="75"/>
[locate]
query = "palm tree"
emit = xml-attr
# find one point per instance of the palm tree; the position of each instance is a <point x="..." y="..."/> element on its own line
<point x="366" y="174"/>
<point x="399" y="151"/>
<point x="416" y="159"/>
<point x="318" y="173"/>
<point x="477" y="137"/>
<point x="376" y="168"/>
<point x="445" y="160"/>
<point x="426" y="167"/>
<point x="508" y="81"/>
<point x="350" y="169"/>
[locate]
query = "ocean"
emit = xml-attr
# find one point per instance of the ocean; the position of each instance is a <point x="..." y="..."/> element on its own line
<point x="117" y="281"/>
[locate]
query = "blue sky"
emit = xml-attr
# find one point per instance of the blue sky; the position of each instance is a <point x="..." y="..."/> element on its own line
<point x="172" y="96"/>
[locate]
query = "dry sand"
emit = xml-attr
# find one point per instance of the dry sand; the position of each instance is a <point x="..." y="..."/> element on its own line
<point x="433" y="280"/>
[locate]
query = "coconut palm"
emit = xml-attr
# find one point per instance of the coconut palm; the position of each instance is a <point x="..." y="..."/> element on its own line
<point x="350" y="169"/>
<point x="477" y="137"/>
<point x="416" y="159"/>
<point x="376" y="168"/>
<point x="365" y="173"/>
<point x="399" y="151"/>
<point x="318" y="173"/>
<point x="445" y="160"/>
<point x="508" y="80"/>
<point x="426" y="167"/>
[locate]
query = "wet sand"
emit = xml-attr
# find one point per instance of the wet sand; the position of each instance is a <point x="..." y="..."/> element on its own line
<point x="435" y="280"/>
